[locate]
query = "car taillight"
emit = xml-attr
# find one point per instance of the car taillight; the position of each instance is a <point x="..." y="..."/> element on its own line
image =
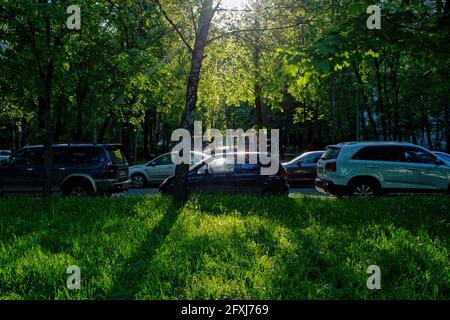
<point x="109" y="168"/>
<point x="331" y="166"/>
<point x="282" y="173"/>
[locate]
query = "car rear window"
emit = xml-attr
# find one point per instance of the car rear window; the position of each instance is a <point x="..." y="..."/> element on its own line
<point x="116" y="155"/>
<point x="331" y="153"/>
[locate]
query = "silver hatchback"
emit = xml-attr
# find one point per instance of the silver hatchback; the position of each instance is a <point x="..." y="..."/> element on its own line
<point x="159" y="169"/>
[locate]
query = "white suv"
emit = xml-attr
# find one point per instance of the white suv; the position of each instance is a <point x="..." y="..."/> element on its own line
<point x="365" y="169"/>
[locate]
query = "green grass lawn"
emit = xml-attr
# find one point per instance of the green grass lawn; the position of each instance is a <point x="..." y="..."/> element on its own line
<point x="225" y="247"/>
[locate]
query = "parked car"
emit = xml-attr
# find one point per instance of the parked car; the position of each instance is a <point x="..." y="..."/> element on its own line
<point x="444" y="156"/>
<point x="366" y="169"/>
<point x="78" y="170"/>
<point x="303" y="169"/>
<point x="158" y="170"/>
<point x="4" y="156"/>
<point x="216" y="174"/>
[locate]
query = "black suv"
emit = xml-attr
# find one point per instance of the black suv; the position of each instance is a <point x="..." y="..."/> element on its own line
<point x="78" y="170"/>
<point x="217" y="175"/>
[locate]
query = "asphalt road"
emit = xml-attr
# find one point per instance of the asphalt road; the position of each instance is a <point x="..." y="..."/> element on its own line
<point x="149" y="191"/>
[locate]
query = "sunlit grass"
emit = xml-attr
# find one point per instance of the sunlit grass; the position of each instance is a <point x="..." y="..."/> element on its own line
<point x="225" y="247"/>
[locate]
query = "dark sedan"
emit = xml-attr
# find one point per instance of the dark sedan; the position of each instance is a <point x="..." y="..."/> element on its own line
<point x="303" y="169"/>
<point x="217" y="175"/>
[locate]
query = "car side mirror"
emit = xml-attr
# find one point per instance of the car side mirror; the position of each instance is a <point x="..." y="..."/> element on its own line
<point x="439" y="162"/>
<point x="300" y="164"/>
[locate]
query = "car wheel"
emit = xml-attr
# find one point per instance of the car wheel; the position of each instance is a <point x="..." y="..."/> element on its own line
<point x="364" y="190"/>
<point x="138" y="181"/>
<point x="78" y="190"/>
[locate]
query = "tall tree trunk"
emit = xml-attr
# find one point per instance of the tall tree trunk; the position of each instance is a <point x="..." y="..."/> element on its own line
<point x="390" y="130"/>
<point x="147" y="132"/>
<point x="157" y="136"/>
<point x="372" y="122"/>
<point x="103" y="129"/>
<point x="257" y="66"/>
<point x="258" y="105"/>
<point x="81" y="93"/>
<point x="48" y="142"/>
<point x="380" y="103"/>
<point x="438" y="133"/>
<point x="126" y="143"/>
<point x="118" y="100"/>
<point x="395" y="104"/>
<point x="79" y="128"/>
<point x="150" y="126"/>
<point x="206" y="14"/>
<point x="333" y="108"/>
<point x="257" y="87"/>
<point x="447" y="123"/>
<point x="317" y="141"/>
<point x="25" y="131"/>
<point x="426" y="124"/>
<point x="41" y="109"/>
<point x="414" y="137"/>
<point x="447" y="138"/>
<point x="60" y="106"/>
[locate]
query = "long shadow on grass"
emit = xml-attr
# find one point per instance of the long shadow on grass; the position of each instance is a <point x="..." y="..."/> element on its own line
<point x="129" y="279"/>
